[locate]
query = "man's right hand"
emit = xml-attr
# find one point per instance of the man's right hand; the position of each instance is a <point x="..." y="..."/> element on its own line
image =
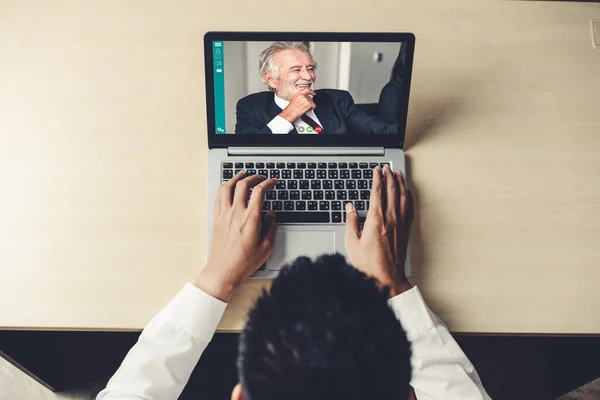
<point x="380" y="249"/>
<point x="300" y="103"/>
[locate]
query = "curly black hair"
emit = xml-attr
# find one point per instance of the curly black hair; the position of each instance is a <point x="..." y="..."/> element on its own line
<point x="324" y="331"/>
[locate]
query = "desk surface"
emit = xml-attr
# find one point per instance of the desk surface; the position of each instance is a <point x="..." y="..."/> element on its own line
<point x="103" y="152"/>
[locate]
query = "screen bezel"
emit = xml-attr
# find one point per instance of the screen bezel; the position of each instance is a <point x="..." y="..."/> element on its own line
<point x="368" y="140"/>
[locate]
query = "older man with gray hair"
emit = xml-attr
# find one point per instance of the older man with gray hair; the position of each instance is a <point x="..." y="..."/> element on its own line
<point x="293" y="106"/>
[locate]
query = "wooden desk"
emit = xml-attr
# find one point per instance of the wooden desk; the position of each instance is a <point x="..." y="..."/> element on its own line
<point x="103" y="149"/>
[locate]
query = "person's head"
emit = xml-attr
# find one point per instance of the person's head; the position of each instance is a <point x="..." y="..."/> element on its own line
<point x="287" y="68"/>
<point x="324" y="331"/>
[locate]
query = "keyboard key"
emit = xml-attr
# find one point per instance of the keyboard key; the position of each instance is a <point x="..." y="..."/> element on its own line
<point x="315" y="184"/>
<point x="306" y="195"/>
<point x="318" y="195"/>
<point x="266" y="205"/>
<point x="368" y="204"/>
<point x="298" y="217"/>
<point x="332" y="165"/>
<point x="291" y="165"/>
<point x="339" y="184"/>
<point x="298" y="174"/>
<point x="336" y="217"/>
<point x="301" y="165"/>
<point x="336" y="205"/>
<point x="271" y="195"/>
<point x="350" y="184"/>
<point x="383" y="164"/>
<point x="249" y="165"/>
<point x="363" y="165"/>
<point x="292" y="184"/>
<point x="250" y="172"/>
<point x="324" y="205"/>
<point x="329" y="195"/>
<point x="365" y="194"/>
<point x="263" y="172"/>
<point x="373" y="165"/>
<point x="280" y="165"/>
<point x="343" y="165"/>
<point x="327" y="184"/>
<point x="341" y="195"/>
<point x="300" y="205"/>
<point x="237" y="171"/>
<point x="274" y="173"/>
<point x="280" y="184"/>
<point x="362" y="184"/>
<point x="288" y="205"/>
<point x="286" y="174"/>
<point x="312" y="165"/>
<point x="260" y="165"/>
<point x="304" y="184"/>
<point x="370" y="184"/>
<point x="277" y="205"/>
<point x="322" y="165"/>
<point x="309" y="174"/>
<point x="294" y="195"/>
<point x="353" y="165"/>
<point x="282" y="195"/>
<point x="227" y="165"/>
<point x="356" y="174"/>
<point x="353" y="194"/>
<point x="345" y="174"/>
<point x="321" y="174"/>
<point x="270" y="165"/>
<point x="227" y="174"/>
<point x="360" y="205"/>
<point x="239" y="165"/>
<point x="368" y="174"/>
<point x="332" y="174"/>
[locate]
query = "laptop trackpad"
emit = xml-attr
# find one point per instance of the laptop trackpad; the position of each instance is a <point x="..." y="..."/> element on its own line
<point x="291" y="244"/>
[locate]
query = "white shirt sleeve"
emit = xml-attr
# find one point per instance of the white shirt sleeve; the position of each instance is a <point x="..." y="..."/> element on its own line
<point x="440" y="369"/>
<point x="161" y="362"/>
<point x="280" y="125"/>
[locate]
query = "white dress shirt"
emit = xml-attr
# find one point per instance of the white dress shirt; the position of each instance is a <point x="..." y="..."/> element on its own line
<point x="280" y="125"/>
<point x="161" y="362"/>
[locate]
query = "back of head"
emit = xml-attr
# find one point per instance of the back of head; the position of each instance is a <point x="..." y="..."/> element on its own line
<point x="323" y="331"/>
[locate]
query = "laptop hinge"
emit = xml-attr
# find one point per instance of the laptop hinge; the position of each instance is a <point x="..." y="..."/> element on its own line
<point x="305" y="151"/>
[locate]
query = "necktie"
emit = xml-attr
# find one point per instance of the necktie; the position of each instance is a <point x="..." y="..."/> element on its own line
<point x="312" y="123"/>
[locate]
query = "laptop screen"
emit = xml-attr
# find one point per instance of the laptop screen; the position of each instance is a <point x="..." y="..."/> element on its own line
<point x="309" y="87"/>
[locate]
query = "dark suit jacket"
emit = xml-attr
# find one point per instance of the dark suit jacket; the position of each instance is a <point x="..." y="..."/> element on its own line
<point x="335" y="109"/>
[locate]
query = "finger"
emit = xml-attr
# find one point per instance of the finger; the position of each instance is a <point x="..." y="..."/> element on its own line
<point x="403" y="196"/>
<point x="352" y="228"/>
<point x="392" y="195"/>
<point x="242" y="188"/>
<point x="410" y="212"/>
<point x="227" y="189"/>
<point x="270" y="228"/>
<point x="258" y="193"/>
<point x="376" y="198"/>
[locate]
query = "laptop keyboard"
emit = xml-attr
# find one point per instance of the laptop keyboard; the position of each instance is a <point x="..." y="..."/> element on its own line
<point x="311" y="192"/>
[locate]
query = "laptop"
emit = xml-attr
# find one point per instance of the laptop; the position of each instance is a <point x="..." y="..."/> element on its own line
<point x="318" y="111"/>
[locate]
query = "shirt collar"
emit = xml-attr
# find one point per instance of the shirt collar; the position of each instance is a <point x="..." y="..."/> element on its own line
<point x="281" y="103"/>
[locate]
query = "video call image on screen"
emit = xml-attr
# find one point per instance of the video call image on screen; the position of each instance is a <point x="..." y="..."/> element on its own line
<point x="308" y="87"/>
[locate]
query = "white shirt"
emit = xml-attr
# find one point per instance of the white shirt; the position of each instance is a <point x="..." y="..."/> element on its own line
<point x="282" y="125"/>
<point x="161" y="362"/>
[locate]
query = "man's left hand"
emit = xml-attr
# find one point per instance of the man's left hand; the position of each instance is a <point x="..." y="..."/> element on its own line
<point x="241" y="241"/>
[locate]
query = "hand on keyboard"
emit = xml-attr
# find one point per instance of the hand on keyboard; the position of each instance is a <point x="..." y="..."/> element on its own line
<point x="241" y="239"/>
<point x="380" y="249"/>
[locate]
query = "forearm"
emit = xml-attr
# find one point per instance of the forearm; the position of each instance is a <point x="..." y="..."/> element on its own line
<point x="161" y="362"/>
<point x="440" y="369"/>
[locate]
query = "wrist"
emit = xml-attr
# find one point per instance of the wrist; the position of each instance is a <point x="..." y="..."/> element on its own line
<point x="289" y="118"/>
<point x="219" y="287"/>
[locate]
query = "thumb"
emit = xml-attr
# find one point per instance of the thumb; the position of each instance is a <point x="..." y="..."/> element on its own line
<point x="270" y="229"/>
<point x="352" y="229"/>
